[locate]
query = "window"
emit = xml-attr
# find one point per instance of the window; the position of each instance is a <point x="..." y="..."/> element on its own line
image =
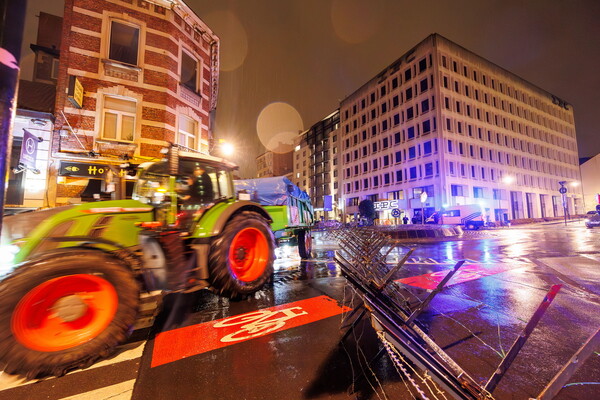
<point x="423" y="85"/>
<point x="429" y="169"/>
<point x="398" y="156"/>
<point x="413" y="172"/>
<point x="187" y="133"/>
<point x="399" y="175"/>
<point x="477" y="192"/>
<point x="427" y="147"/>
<point x="118" y="118"/>
<point x="410" y="132"/>
<point x="407" y="75"/>
<point x="457" y="190"/>
<point x="426" y="126"/>
<point x="412" y="152"/>
<point x="422" y="65"/>
<point x="410" y="113"/>
<point x="424" y="106"/>
<point x="409" y="93"/>
<point x="124" y="41"/>
<point x="189" y="71"/>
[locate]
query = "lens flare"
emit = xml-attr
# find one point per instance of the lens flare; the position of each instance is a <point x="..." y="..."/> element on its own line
<point x="234" y="40"/>
<point x="278" y="125"/>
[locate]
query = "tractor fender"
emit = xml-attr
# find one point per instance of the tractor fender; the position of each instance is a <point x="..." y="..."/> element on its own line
<point x="108" y="246"/>
<point x="214" y="220"/>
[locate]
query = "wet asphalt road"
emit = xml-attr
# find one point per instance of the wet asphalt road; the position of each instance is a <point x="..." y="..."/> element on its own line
<point x="294" y="351"/>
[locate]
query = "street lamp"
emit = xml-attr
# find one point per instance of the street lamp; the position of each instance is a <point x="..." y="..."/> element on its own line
<point x="227" y="149"/>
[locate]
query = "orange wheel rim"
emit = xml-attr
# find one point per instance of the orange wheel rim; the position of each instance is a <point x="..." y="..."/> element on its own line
<point x="64" y="312"/>
<point x="248" y="254"/>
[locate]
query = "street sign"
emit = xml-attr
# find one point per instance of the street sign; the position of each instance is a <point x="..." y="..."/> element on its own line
<point x="395" y="213"/>
<point x="423" y="197"/>
<point x="385" y="205"/>
<point x="29" y="149"/>
<point x="562" y="190"/>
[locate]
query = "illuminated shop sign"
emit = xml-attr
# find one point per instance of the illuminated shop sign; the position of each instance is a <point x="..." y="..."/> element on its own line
<point x="386" y="205"/>
<point x="85" y="170"/>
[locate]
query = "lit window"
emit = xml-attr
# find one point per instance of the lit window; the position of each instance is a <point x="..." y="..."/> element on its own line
<point x="187" y="132"/>
<point x="124" y="41"/>
<point x="118" y="119"/>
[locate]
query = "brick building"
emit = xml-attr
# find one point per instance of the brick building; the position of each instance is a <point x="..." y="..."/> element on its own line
<point x="134" y="76"/>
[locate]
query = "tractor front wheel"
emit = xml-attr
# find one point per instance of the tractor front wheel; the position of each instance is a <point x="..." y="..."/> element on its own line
<point x="241" y="257"/>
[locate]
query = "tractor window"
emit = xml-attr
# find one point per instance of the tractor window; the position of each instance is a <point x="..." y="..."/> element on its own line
<point x="201" y="183"/>
<point x="153" y="184"/>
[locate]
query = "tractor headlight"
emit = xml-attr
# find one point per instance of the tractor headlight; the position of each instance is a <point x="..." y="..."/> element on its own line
<point x="7" y="257"/>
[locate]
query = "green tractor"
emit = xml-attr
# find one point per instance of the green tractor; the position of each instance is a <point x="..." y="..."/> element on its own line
<point x="76" y="279"/>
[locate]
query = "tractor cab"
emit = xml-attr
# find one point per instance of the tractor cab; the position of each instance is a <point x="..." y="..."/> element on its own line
<point x="180" y="194"/>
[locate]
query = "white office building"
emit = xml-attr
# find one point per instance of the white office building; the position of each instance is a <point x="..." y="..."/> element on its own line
<point x="444" y="121"/>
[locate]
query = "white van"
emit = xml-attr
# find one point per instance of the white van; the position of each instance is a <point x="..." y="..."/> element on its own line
<point x="471" y="216"/>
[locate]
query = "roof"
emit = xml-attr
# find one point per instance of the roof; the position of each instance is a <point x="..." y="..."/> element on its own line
<point x="36" y="96"/>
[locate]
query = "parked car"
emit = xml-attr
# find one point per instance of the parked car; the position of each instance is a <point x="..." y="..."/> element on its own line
<point x="592" y="220"/>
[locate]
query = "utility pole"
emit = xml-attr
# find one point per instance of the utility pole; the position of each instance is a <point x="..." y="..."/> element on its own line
<point x="12" y="19"/>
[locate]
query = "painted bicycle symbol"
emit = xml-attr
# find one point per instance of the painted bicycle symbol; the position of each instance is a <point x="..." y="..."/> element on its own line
<point x="258" y="323"/>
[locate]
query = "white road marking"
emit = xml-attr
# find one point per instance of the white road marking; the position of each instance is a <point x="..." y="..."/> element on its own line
<point x="125" y="352"/>
<point x="120" y="391"/>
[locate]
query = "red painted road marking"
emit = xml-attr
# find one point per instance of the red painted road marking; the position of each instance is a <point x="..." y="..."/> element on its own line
<point x="465" y="273"/>
<point x="197" y="339"/>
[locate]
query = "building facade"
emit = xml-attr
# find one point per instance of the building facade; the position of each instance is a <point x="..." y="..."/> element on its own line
<point x="316" y="166"/>
<point x="270" y="164"/>
<point x="444" y="121"/>
<point x="34" y="122"/>
<point x="134" y="76"/>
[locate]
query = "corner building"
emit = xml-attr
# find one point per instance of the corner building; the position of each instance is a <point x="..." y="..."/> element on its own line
<point x="445" y="121"/>
<point x="147" y="76"/>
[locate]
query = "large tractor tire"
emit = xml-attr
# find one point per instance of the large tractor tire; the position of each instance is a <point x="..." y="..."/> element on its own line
<point x="241" y="257"/>
<point x="304" y="244"/>
<point x="65" y="311"/>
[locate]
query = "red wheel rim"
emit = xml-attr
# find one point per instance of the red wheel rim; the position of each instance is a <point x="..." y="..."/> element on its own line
<point x="248" y="254"/>
<point x="64" y="312"/>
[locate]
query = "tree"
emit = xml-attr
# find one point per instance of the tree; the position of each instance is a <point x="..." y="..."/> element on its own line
<point x="366" y="209"/>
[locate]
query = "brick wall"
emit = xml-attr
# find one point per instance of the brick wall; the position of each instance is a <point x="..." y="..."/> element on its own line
<point x="81" y="55"/>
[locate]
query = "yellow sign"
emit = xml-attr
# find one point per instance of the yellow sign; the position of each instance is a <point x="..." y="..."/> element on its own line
<point x="75" y="92"/>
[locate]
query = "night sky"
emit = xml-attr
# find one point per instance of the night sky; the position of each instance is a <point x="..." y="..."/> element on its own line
<point x="286" y="64"/>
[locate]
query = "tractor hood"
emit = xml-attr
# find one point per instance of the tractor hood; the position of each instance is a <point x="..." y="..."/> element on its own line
<point x="19" y="226"/>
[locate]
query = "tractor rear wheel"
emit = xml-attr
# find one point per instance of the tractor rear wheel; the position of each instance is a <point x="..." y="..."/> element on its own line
<point x="241" y="257"/>
<point x="304" y="244"/>
<point x="65" y="311"/>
